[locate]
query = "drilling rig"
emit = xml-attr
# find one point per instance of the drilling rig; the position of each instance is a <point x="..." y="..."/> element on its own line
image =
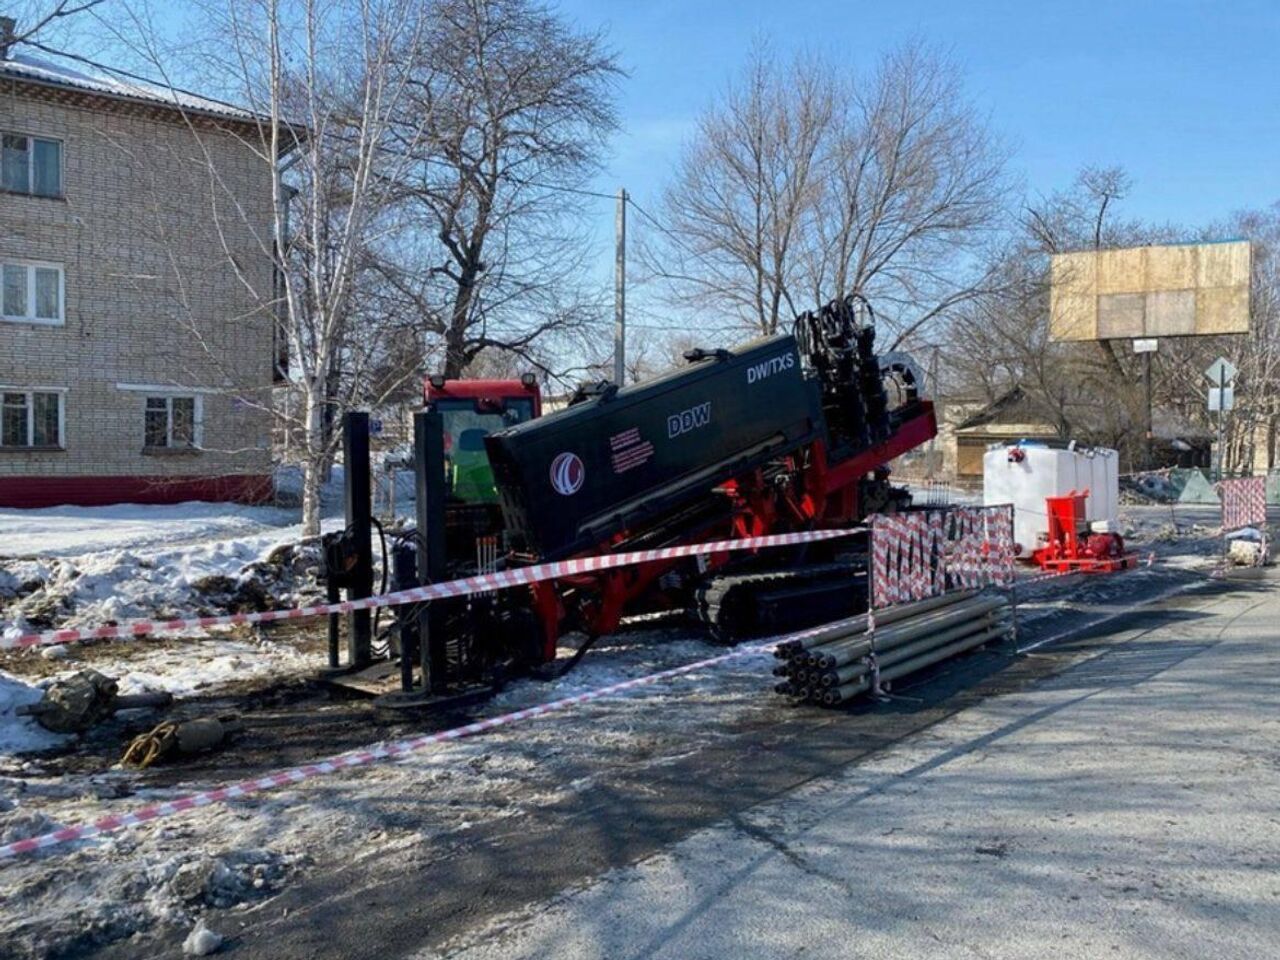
<point x="788" y="433"/>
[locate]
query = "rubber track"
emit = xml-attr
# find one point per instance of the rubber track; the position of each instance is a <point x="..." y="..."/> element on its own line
<point x="727" y="604"/>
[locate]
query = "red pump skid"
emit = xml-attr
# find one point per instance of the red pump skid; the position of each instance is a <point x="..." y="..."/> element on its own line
<point x="825" y="496"/>
<point x="1066" y="553"/>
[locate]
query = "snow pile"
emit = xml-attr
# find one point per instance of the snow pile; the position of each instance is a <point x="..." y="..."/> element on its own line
<point x="67" y="531"/>
<point x="155" y="888"/>
<point x="21" y="734"/>
<point x="254" y="573"/>
<point x="201" y="941"/>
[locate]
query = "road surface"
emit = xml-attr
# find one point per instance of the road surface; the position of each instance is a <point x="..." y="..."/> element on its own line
<point x="1113" y="794"/>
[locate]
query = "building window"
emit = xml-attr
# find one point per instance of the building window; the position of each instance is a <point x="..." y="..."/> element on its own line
<point x="172" y="423"/>
<point x="30" y="165"/>
<point x="31" y="292"/>
<point x="31" y="418"/>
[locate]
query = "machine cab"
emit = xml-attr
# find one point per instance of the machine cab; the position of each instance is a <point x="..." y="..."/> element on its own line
<point x="470" y="411"/>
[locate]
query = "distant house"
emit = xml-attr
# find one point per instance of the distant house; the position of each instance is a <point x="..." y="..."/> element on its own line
<point x="136" y="337"/>
<point x="966" y="427"/>
<point x="1010" y="417"/>
<point x="1178" y="442"/>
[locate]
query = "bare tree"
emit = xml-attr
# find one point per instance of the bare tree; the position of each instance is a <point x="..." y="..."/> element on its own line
<point x="804" y="184"/>
<point x="43" y="24"/>
<point x="1252" y="426"/>
<point x="914" y="189"/>
<point x="323" y="81"/>
<point x="1094" y="391"/>
<point x="490" y="246"/>
<point x="1000" y="338"/>
<point x="744" y="192"/>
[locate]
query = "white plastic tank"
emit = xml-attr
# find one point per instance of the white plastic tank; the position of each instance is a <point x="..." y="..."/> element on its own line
<point x="1024" y="473"/>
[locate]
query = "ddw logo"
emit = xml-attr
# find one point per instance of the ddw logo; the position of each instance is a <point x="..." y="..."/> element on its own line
<point x="768" y="368"/>
<point x="687" y="420"/>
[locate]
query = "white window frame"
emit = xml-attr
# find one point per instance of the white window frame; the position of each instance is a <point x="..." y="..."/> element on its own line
<point x="197" y="415"/>
<point x="30" y="392"/>
<point x="32" y="266"/>
<point x="31" y="165"/>
<point x="169" y="390"/>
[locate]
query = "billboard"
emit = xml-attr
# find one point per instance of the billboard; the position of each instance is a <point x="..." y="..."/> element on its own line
<point x="1180" y="290"/>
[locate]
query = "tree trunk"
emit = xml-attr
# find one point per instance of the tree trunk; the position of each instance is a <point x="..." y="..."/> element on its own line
<point x="313" y="464"/>
<point x="455" y="338"/>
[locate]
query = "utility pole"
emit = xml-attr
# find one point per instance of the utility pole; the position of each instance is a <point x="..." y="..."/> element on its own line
<point x="1148" y="449"/>
<point x="620" y="293"/>
<point x="1147" y="346"/>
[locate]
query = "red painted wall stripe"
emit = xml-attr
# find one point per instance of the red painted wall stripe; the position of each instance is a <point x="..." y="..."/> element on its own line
<point x="30" y="492"/>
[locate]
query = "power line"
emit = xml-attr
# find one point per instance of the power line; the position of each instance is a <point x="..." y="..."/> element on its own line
<point x="161" y="86"/>
<point x="670" y="233"/>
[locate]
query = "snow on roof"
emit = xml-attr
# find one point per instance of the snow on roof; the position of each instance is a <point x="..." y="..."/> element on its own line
<point x="46" y="72"/>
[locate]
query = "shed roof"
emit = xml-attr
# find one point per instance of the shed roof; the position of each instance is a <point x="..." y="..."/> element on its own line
<point x="1012" y="406"/>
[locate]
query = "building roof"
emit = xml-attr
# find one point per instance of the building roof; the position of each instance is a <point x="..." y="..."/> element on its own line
<point x="1168" y="424"/>
<point x="1011" y="406"/>
<point x="42" y="72"/>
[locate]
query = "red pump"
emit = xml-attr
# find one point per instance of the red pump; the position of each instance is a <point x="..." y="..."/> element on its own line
<point x="1072" y="547"/>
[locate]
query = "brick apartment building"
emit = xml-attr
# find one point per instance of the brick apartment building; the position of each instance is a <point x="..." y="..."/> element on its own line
<point x="136" y="334"/>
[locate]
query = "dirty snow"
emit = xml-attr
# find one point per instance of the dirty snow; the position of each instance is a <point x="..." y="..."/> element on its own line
<point x="112" y="585"/>
<point x="21" y="734"/>
<point x="175" y="871"/>
<point x="378" y="816"/>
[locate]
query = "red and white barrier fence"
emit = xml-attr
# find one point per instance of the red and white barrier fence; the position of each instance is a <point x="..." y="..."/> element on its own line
<point x="927" y="553"/>
<point x="499" y="580"/>
<point x="1244" y="502"/>
<point x="369" y="755"/>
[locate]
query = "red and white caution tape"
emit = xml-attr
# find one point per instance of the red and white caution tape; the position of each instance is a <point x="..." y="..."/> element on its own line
<point x="372" y="754"/>
<point x="499" y="580"/>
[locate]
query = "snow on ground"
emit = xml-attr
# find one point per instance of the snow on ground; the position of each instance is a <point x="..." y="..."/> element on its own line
<point x="113" y="585"/>
<point x="185" y="669"/>
<point x="229" y="858"/>
<point x="174" y="871"/>
<point x="69" y="531"/>
<point x="1183" y="536"/>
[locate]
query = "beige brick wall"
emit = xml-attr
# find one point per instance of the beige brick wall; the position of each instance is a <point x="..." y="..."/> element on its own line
<point x="168" y="280"/>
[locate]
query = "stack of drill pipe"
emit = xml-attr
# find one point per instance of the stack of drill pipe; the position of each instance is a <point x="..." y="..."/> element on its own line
<point x="841" y="662"/>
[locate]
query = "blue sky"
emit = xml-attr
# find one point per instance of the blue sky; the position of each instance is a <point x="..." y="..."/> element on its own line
<point x="1185" y="95"/>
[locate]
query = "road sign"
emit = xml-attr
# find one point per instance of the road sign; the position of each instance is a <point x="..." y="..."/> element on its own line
<point x="1222" y="399"/>
<point x="1221" y="371"/>
<point x="1148" y="345"/>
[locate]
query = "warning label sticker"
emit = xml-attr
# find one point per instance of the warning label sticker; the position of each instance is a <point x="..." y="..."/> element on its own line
<point x="629" y="450"/>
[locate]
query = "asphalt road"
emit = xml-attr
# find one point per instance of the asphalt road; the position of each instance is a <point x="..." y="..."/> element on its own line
<point x="1110" y="795"/>
<point x="1126" y="807"/>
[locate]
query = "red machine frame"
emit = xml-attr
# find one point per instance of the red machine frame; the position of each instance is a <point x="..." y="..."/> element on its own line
<point x="826" y="495"/>
<point x="437" y="388"/>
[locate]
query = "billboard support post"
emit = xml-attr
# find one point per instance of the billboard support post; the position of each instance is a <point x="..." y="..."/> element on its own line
<point x="1222" y="394"/>
<point x="1149" y="449"/>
